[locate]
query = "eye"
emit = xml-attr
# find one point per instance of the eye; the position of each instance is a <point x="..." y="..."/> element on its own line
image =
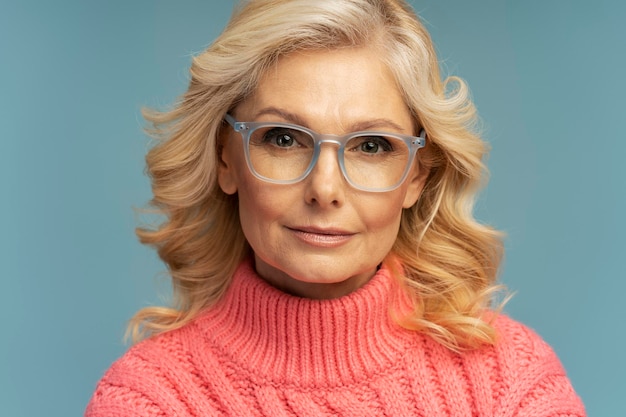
<point x="369" y="147"/>
<point x="284" y="137"/>
<point x="372" y="144"/>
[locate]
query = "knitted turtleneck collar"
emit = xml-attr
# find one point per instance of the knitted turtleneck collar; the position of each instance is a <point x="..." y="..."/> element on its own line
<point x="279" y="337"/>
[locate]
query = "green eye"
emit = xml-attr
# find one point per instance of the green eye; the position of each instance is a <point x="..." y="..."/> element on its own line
<point x="282" y="138"/>
<point x="369" y="147"/>
<point x="372" y="144"/>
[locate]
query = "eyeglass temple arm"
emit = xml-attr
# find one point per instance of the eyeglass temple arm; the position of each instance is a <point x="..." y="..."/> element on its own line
<point x="230" y="119"/>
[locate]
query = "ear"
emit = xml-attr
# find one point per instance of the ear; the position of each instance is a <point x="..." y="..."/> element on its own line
<point x="226" y="175"/>
<point x="417" y="180"/>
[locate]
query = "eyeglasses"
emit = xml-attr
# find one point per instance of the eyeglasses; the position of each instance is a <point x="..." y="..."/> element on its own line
<point x="283" y="153"/>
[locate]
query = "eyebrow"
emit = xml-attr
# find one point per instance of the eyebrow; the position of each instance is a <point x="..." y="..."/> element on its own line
<point x="284" y="114"/>
<point x="369" y="124"/>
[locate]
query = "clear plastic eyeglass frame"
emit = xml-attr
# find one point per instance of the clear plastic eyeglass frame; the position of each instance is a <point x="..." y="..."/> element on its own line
<point x="247" y="128"/>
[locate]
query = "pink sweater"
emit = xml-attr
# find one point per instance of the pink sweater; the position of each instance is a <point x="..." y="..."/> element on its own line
<point x="261" y="352"/>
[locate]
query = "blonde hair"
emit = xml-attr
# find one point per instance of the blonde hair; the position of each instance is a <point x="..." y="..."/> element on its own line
<point x="450" y="261"/>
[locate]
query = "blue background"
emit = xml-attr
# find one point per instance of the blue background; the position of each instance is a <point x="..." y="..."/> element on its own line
<point x="547" y="77"/>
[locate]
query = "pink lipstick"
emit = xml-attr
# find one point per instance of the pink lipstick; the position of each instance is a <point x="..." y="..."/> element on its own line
<point x="320" y="237"/>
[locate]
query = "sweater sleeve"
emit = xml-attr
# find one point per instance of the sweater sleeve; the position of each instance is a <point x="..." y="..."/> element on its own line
<point x="539" y="386"/>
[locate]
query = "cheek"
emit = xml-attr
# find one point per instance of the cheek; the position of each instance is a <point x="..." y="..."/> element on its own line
<point x="252" y="204"/>
<point x="383" y="214"/>
<point x="259" y="206"/>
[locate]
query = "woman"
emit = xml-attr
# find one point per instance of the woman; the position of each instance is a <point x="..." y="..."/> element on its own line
<point x="317" y="181"/>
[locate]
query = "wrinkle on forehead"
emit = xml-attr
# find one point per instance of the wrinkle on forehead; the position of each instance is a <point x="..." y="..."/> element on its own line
<point x="331" y="91"/>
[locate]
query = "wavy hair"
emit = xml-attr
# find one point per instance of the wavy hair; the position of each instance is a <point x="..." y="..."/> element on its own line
<point x="449" y="260"/>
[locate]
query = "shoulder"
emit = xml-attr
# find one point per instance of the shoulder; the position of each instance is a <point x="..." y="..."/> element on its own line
<point x="154" y="377"/>
<point x="521" y="353"/>
<point x="528" y="372"/>
<point x="519" y="343"/>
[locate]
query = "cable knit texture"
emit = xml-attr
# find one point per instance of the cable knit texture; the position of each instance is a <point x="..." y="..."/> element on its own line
<point x="261" y="352"/>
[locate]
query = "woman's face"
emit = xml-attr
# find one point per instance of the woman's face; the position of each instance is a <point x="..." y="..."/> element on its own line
<point x="320" y="238"/>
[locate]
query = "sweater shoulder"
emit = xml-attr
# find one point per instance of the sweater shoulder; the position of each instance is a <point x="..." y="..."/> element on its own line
<point x="155" y="377"/>
<point x="152" y="356"/>
<point x="520" y="350"/>
<point x="521" y="341"/>
<point x="529" y="367"/>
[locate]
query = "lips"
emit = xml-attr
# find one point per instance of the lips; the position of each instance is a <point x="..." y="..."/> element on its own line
<point x="322" y="237"/>
<point x="322" y="231"/>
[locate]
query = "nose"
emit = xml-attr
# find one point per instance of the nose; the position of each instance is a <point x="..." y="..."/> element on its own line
<point x="325" y="185"/>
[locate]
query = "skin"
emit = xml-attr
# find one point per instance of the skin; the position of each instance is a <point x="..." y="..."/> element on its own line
<point x="320" y="238"/>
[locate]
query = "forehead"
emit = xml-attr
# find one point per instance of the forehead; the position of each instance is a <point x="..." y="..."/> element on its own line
<point x="342" y="85"/>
